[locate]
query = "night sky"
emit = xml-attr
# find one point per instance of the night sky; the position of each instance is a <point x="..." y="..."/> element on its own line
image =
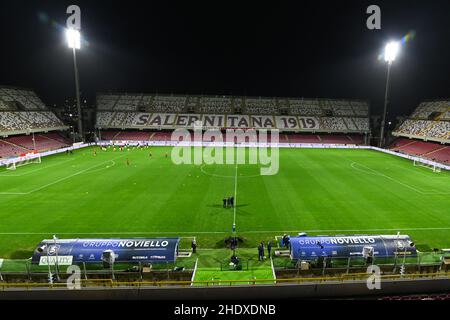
<point x="303" y="48"/>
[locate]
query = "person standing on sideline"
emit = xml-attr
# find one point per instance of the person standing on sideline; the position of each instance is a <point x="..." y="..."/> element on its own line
<point x="284" y="240"/>
<point x="232" y="201"/>
<point x="194" y="246"/>
<point x="269" y="248"/>
<point x="224" y="202"/>
<point x="260" y="252"/>
<point x="262" y="245"/>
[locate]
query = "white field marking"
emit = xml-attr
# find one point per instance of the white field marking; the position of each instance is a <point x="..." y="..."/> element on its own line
<point x="113" y="163"/>
<point x="273" y="270"/>
<point x="365" y="171"/>
<point x="28" y="172"/>
<point x="235" y="195"/>
<point x="223" y="176"/>
<point x="421" y="172"/>
<point x="395" y="180"/>
<point x="195" y="271"/>
<point x="182" y="233"/>
<point x="57" y="181"/>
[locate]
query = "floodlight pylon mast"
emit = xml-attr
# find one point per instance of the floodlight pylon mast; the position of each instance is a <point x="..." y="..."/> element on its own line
<point x="386" y="101"/>
<point x="77" y="88"/>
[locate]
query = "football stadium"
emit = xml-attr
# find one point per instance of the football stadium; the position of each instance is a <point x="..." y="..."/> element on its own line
<point x="189" y="193"/>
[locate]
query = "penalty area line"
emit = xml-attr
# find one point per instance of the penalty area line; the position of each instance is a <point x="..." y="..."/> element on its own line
<point x="59" y="180"/>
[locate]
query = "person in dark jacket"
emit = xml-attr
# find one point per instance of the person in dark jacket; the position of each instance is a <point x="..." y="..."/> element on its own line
<point x="269" y="248"/>
<point x="194" y="246"/>
<point x="283" y="240"/>
<point x="260" y="252"/>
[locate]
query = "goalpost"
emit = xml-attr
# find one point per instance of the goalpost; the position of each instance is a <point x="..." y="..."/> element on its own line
<point x="430" y="166"/>
<point x="24" y="160"/>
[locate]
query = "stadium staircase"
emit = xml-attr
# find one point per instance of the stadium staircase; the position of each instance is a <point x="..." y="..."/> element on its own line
<point x="116" y="135"/>
<point x="433" y="151"/>
<point x="51" y="139"/>
<point x="404" y="145"/>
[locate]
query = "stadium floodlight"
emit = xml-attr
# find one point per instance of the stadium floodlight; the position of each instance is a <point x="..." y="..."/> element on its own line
<point x="73" y="38"/>
<point x="390" y="53"/>
<point x="74" y="42"/>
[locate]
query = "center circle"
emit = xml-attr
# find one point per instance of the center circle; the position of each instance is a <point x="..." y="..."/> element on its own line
<point x="232" y="172"/>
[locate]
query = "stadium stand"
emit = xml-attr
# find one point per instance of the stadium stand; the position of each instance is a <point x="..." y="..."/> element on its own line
<point x="333" y="124"/>
<point x="133" y="135"/>
<point x="305" y="107"/>
<point x="433" y="151"/>
<point x="109" y="135"/>
<point x="171" y="104"/>
<point x="215" y="105"/>
<point x="128" y="103"/>
<point x="106" y="102"/>
<point x="10" y="121"/>
<point x="10" y="150"/>
<point x="161" y="136"/>
<point x="21" y="111"/>
<point x="104" y="118"/>
<point x="429" y="121"/>
<point x="308" y="115"/>
<point x="260" y="106"/>
<point x="19" y="144"/>
<point x="299" y="138"/>
<point x="23" y="99"/>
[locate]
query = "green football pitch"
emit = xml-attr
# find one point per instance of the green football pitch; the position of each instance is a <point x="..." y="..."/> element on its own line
<point x="318" y="191"/>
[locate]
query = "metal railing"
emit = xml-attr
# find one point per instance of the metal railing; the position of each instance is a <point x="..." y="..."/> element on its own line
<point x="111" y="284"/>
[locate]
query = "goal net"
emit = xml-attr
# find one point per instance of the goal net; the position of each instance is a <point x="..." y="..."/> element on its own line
<point x="23" y="160"/>
<point x="427" y="165"/>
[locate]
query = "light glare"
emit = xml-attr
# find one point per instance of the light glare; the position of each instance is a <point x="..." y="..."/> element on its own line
<point x="391" y="51"/>
<point x="73" y="38"/>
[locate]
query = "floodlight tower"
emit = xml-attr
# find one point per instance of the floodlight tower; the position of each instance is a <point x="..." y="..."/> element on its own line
<point x="74" y="42"/>
<point x="390" y="53"/>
